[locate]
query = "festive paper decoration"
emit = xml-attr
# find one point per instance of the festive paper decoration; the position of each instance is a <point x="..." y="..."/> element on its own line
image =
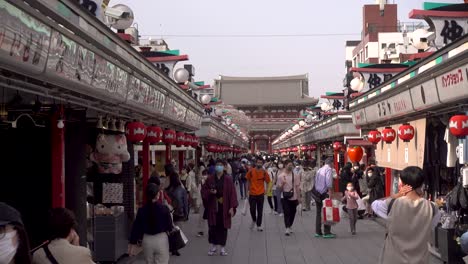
<point x="154" y="134"/>
<point x="374" y="136"/>
<point x="136" y="131"/>
<point x="388" y="135"/>
<point x="458" y="125"/>
<point x="337" y="146"/>
<point x="406" y="132"/>
<point x="169" y="136"/>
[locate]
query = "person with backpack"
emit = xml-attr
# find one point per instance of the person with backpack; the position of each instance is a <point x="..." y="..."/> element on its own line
<point x="257" y="177"/>
<point x="410" y="219"/>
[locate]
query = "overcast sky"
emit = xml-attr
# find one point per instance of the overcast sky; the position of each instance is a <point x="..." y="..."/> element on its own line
<point x="322" y="57"/>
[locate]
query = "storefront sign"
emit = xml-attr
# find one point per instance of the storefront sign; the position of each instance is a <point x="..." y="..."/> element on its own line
<point x="425" y="95"/>
<point x="136" y="93"/>
<point x="193" y="119"/>
<point x="359" y="117"/>
<point x="24" y="40"/>
<point x="374" y="79"/>
<point x="452" y="86"/>
<point x="449" y="29"/>
<point x="395" y="106"/>
<point x="174" y="110"/>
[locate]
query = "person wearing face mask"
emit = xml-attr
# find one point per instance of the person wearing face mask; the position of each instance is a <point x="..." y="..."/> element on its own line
<point x="290" y="182"/>
<point x="257" y="177"/>
<point x="221" y="204"/>
<point x="273" y="172"/>
<point x="64" y="245"/>
<point x="277" y="192"/>
<point x="14" y="243"/>
<point x="350" y="198"/>
<point x="410" y="219"/>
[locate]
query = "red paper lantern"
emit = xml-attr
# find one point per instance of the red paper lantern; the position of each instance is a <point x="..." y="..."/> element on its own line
<point x="188" y="140"/>
<point x="374" y="136"/>
<point x="169" y="136"/>
<point x="388" y="135"/>
<point x="355" y="153"/>
<point x="154" y="134"/>
<point x="295" y="149"/>
<point x="211" y="147"/>
<point x="195" y="141"/>
<point x="459" y="125"/>
<point x="219" y="148"/>
<point x="406" y="132"/>
<point x="337" y="146"/>
<point x="136" y="131"/>
<point x="304" y="148"/>
<point x="180" y="139"/>
<point x="288" y="150"/>
<point x="313" y="147"/>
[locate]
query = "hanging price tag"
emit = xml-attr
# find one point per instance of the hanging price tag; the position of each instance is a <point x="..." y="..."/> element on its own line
<point x="153" y="157"/>
<point x="406" y="155"/>
<point x="389" y="155"/>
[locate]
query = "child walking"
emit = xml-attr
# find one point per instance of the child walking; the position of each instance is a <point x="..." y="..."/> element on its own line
<point x="351" y="196"/>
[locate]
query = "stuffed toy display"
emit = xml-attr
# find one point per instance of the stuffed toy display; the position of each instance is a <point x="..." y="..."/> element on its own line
<point x="110" y="152"/>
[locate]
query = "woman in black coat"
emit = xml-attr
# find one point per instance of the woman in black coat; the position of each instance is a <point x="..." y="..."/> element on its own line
<point x="375" y="185"/>
<point x="345" y="176"/>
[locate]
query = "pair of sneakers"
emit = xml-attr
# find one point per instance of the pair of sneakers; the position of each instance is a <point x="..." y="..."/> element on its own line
<point x="252" y="226"/>
<point x="213" y="250"/>
<point x="325" y="236"/>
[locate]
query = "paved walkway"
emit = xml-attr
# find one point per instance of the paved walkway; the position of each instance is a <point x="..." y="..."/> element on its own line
<point x="273" y="247"/>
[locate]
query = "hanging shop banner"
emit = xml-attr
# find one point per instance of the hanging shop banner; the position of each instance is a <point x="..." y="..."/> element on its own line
<point x="449" y="29"/>
<point x="193" y="119"/>
<point x="425" y="95"/>
<point x="399" y="155"/>
<point x="24" y="40"/>
<point x="452" y="86"/>
<point x="62" y="56"/>
<point x="174" y="110"/>
<point x="359" y="117"/>
<point x="156" y="100"/>
<point x="394" y="106"/>
<point x="135" y="93"/>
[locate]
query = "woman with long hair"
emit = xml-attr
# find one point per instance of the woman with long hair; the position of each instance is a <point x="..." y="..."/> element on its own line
<point x="179" y="198"/>
<point x="14" y="243"/>
<point x="151" y="225"/>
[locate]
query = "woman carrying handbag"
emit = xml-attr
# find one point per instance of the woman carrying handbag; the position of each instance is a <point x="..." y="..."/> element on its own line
<point x="290" y="183"/>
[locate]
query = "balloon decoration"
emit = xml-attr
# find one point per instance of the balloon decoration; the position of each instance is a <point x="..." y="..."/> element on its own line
<point x="136" y="131"/>
<point x="169" y="136"/>
<point x="337" y="146"/>
<point x="154" y="134"/>
<point x="388" y="135"/>
<point x="355" y="153"/>
<point x="458" y="125"/>
<point x="406" y="132"/>
<point x="374" y="136"/>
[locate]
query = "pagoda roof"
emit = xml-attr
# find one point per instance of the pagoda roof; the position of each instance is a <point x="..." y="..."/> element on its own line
<point x="270" y="78"/>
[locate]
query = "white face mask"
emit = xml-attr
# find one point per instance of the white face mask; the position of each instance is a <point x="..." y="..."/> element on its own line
<point x="280" y="166"/>
<point x="369" y="174"/>
<point x="7" y="247"/>
<point x="349" y="188"/>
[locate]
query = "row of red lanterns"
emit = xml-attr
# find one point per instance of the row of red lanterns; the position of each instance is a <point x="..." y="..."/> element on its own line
<point x="388" y="135"/>
<point x="137" y="132"/>
<point x="219" y="148"/>
<point x="312" y="147"/>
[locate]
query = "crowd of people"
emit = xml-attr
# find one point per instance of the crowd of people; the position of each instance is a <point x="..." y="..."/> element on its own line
<point x="209" y="189"/>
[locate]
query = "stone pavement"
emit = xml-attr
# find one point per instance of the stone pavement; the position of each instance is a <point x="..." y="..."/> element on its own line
<point x="273" y="247"/>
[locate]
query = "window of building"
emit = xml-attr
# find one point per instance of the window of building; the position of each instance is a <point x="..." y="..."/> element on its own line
<point x="366" y="52"/>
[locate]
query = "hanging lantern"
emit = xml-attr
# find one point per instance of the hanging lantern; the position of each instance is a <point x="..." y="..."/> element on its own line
<point x="337" y="146"/>
<point x="188" y="140"/>
<point x="312" y="147"/>
<point x="304" y="148"/>
<point x="355" y="153"/>
<point x="136" y="131"/>
<point x="374" y="136"/>
<point x="180" y="139"/>
<point x="169" y="136"/>
<point x="154" y="134"/>
<point x="458" y="125"/>
<point x="211" y="147"/>
<point x="195" y="141"/>
<point x="219" y="148"/>
<point x="388" y="135"/>
<point x="295" y="149"/>
<point x="406" y="132"/>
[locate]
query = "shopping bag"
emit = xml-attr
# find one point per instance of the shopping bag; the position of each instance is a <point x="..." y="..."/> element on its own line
<point x="361" y="205"/>
<point x="244" y="209"/>
<point x="331" y="211"/>
<point x="177" y="239"/>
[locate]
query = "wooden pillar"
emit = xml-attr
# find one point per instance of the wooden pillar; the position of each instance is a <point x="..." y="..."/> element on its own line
<point x="181" y="159"/>
<point x="168" y="153"/>
<point x="146" y="166"/>
<point x="388" y="182"/>
<point x="58" y="161"/>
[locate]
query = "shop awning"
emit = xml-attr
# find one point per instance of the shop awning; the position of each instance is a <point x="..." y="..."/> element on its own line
<point x="359" y="142"/>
